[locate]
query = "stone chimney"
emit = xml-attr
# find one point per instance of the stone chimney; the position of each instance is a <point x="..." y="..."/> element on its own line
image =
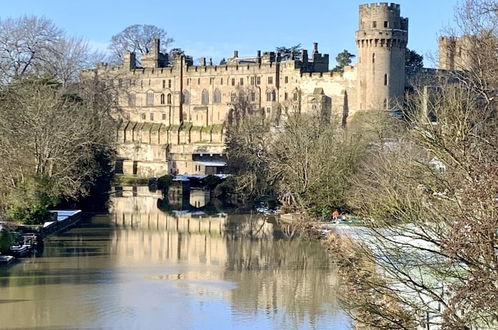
<point x="304" y="56"/>
<point x="315" y="48"/>
<point x="129" y="61"/>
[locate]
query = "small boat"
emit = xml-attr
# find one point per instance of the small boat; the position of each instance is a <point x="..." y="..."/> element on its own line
<point x="20" y="250"/>
<point x="4" y="260"/>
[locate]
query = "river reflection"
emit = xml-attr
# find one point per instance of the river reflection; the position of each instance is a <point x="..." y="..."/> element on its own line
<point x="140" y="267"/>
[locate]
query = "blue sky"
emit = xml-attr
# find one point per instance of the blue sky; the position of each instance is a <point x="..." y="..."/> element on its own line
<point x="215" y="28"/>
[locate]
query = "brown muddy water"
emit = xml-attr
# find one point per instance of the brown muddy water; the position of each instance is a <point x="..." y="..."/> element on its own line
<point x="142" y="268"/>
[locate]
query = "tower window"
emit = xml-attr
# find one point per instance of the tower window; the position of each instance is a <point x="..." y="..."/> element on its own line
<point x="374" y="24"/>
<point x="168" y="98"/>
<point x="164" y="83"/>
<point x="169" y="83"/>
<point x="186" y="97"/>
<point x="386" y="24"/>
<point x="373" y="58"/>
<point x="385" y="79"/>
<point x="217" y="96"/>
<point x="150" y="98"/>
<point x="205" y="97"/>
<point x="162" y="98"/>
<point x="385" y="103"/>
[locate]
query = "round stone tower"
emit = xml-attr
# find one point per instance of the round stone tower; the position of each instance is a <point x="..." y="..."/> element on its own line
<point x="381" y="39"/>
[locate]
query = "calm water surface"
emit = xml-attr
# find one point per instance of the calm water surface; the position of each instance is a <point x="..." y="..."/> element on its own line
<point x="141" y="268"/>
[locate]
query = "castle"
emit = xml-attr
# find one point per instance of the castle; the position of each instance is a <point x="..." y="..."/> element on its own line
<point x="176" y="111"/>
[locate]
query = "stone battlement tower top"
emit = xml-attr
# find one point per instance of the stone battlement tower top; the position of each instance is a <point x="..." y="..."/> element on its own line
<point x="381" y="38"/>
<point x="382" y="15"/>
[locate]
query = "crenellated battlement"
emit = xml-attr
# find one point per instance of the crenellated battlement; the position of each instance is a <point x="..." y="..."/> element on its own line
<point x="382" y="16"/>
<point x="380" y="5"/>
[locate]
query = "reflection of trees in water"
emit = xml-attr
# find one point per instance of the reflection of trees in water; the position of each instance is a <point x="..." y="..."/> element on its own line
<point x="281" y="275"/>
<point x="252" y="226"/>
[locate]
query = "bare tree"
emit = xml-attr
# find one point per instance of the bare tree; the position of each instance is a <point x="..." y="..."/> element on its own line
<point x="431" y="197"/>
<point x="306" y="162"/>
<point x="68" y="58"/>
<point x="33" y="46"/>
<point x="248" y="146"/>
<point x="313" y="161"/>
<point x="137" y="38"/>
<point x="50" y="139"/>
<point x="25" y="45"/>
<point x="430" y="200"/>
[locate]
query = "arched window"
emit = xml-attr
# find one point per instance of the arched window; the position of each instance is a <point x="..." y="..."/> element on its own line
<point x="186" y="97"/>
<point x="162" y="98"/>
<point x="150" y="98"/>
<point x="205" y="97"/>
<point x="217" y="96"/>
<point x="233" y="97"/>
<point x="168" y="98"/>
<point x="271" y="96"/>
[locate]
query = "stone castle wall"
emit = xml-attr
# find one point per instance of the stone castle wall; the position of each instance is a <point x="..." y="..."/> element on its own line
<point x="175" y="110"/>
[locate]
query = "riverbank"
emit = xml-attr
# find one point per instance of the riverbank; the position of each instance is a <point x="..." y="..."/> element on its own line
<point x="29" y="238"/>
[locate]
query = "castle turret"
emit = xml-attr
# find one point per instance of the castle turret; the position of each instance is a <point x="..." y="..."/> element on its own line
<point x="381" y="39"/>
<point x="154" y="58"/>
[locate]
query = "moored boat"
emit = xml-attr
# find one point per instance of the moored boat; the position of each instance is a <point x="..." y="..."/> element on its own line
<point x="20" y="250"/>
<point x="4" y="260"/>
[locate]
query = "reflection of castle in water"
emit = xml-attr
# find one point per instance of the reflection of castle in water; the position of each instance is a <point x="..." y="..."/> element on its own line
<point x="270" y="274"/>
<point x="147" y="231"/>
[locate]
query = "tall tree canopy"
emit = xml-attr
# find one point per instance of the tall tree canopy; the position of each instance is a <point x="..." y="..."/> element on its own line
<point x="137" y="38"/>
<point x="286" y="52"/>
<point x="414" y="62"/>
<point x="343" y="59"/>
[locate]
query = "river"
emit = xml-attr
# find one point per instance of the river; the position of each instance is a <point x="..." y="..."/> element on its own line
<point x="139" y="267"/>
